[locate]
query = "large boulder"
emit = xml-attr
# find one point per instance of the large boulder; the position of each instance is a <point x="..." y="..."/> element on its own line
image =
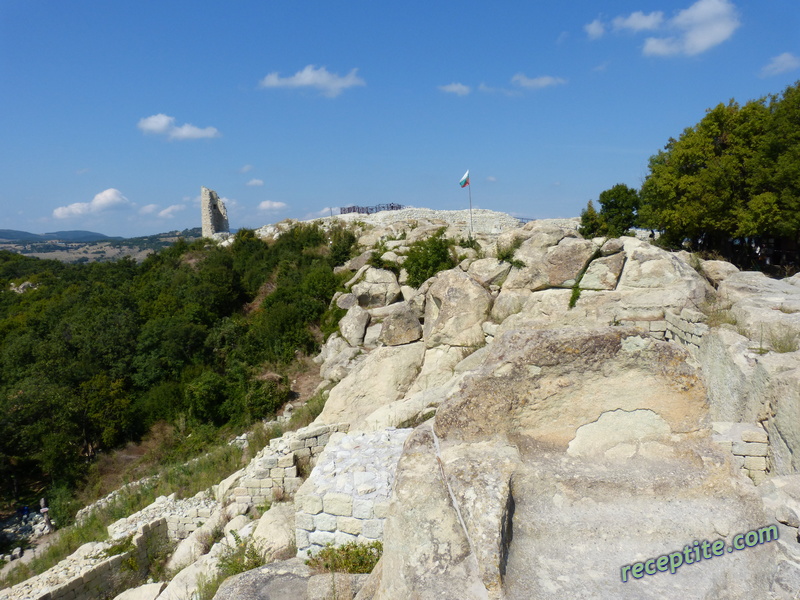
<point x="378" y="288"/>
<point x="603" y="273"/>
<point x="274" y="534"/>
<point x="401" y="327"/>
<point x="276" y="581"/>
<point x="383" y="377"/>
<point x="547" y="267"/>
<point x="455" y="307"/>
<point x="354" y="324"/>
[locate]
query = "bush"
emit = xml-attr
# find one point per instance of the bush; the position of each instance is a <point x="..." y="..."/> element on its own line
<point x="350" y="558"/>
<point x="428" y="257"/>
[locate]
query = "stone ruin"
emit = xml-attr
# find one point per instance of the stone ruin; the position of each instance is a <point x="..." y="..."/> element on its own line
<point x="213" y="213"/>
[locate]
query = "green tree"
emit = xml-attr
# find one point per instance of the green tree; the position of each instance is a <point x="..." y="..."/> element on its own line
<point x="618" y="209"/>
<point x="592" y="225"/>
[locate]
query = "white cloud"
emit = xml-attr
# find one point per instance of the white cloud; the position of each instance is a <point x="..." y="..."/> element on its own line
<point x="255" y="182"/>
<point x="639" y="21"/>
<point x="170" y="211"/>
<point x="82" y="171"/>
<point x="270" y="205"/>
<point x="324" y="212"/>
<point x="245" y="168"/>
<point x="459" y="89"/>
<point x="782" y="63"/>
<point x="595" y="30"/>
<point x="705" y="24"/>
<point x="492" y="90"/>
<point x="105" y="200"/>
<point x="537" y="83"/>
<point x="162" y="124"/>
<point x="491" y="178"/>
<point x="330" y="84"/>
<point x="148" y="209"/>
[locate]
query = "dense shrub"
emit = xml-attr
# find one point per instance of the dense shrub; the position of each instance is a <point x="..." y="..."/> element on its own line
<point x="428" y="257"/>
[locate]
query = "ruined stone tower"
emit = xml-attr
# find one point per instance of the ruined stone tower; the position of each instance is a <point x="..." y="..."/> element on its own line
<point x="212" y="212"/>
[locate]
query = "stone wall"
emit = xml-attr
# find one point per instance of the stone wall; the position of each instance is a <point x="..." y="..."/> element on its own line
<point x="213" y="215"/>
<point x="346" y="497"/>
<point x="688" y="327"/>
<point x="88" y="572"/>
<point x="749" y="444"/>
<point x="273" y="473"/>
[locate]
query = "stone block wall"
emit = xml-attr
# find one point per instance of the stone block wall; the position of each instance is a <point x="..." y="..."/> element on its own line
<point x="749" y="444"/>
<point x="346" y="497"/>
<point x="688" y="327"/>
<point x="88" y="573"/>
<point x="274" y="471"/>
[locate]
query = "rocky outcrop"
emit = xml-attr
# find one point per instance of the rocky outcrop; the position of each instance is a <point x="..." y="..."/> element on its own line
<point x="591" y="431"/>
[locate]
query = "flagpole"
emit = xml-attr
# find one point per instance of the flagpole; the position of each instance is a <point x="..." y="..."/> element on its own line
<point x="470" y="210"/>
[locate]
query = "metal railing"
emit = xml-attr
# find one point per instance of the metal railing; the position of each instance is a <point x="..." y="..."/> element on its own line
<point x="368" y="210"/>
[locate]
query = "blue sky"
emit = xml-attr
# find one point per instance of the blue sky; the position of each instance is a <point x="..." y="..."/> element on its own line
<point x="113" y="114"/>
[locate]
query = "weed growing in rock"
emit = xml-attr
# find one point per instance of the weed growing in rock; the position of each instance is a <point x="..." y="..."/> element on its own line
<point x="350" y="558"/>
<point x="506" y="254"/>
<point x="783" y="340"/>
<point x="308" y="412"/>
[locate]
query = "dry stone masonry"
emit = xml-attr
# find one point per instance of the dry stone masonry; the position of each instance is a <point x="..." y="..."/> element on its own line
<point x="749" y="444"/>
<point x="346" y="498"/>
<point x="213" y="214"/>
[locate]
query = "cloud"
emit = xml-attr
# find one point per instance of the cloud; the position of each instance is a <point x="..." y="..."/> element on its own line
<point x="705" y="24"/>
<point x="82" y="171"/>
<point x="323" y="212"/>
<point x="245" y="168"/>
<point x="330" y="84"/>
<point x="782" y="63"/>
<point x="537" y="83"/>
<point x="639" y="21"/>
<point x="491" y="178"/>
<point x="170" y="211"/>
<point x="162" y="124"/>
<point x="595" y="30"/>
<point x="270" y="205"/>
<point x="459" y="89"/>
<point x="105" y="200"/>
<point x="493" y="90"/>
<point x="148" y="209"/>
<point x="255" y="182"/>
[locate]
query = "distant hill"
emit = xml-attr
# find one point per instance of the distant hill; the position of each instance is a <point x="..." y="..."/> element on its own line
<point x="14" y="235"/>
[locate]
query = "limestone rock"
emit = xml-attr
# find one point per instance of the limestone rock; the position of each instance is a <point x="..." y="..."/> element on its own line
<point x="598" y="371"/>
<point x="556" y="266"/>
<point x="717" y="271"/>
<point x="148" y="591"/>
<point x="426" y="552"/>
<point x="603" y="273"/>
<point x="455" y="307"/>
<point x="611" y="246"/>
<point x="488" y="271"/>
<point x="438" y="365"/>
<point x="354" y="324"/>
<point x="401" y="328"/>
<point x="378" y="288"/>
<point x="342" y="586"/>
<point x="508" y="302"/>
<point x="382" y="378"/>
<point x="274" y="535"/>
<point x="650" y="267"/>
<point x="276" y="581"/>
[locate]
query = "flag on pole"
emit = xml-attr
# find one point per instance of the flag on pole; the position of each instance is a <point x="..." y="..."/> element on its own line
<point x="464" y="180"/>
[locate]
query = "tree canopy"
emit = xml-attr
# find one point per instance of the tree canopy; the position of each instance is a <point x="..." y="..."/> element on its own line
<point x="94" y="354"/>
<point x="732" y="181"/>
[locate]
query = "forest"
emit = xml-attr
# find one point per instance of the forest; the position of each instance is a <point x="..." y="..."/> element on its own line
<point x="729" y="186"/>
<point x="197" y="336"/>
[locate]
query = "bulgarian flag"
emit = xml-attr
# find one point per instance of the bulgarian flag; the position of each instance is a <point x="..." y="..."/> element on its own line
<point x="464" y="180"/>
